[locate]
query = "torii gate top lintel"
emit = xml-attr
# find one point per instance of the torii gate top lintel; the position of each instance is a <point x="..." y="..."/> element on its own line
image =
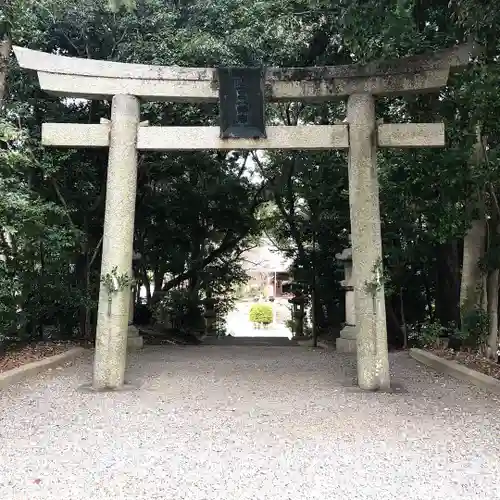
<point x="95" y="79"/>
<point x="453" y="58"/>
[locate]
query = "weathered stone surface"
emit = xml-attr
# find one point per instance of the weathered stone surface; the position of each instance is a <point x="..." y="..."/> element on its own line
<point x="278" y="137"/>
<point x="457" y="370"/>
<point x="198" y="138"/>
<point x="134" y="340"/>
<point x="112" y="321"/>
<point x="318" y="91"/>
<point x="349" y="332"/>
<point x="56" y="64"/>
<point x="372" y="352"/>
<point x="345" y="345"/>
<point x="346" y="254"/>
<point x="350" y="307"/>
<point x="74" y="135"/>
<point x="94" y="87"/>
<point x="411" y="135"/>
<point x="348" y="285"/>
<point x="15" y="375"/>
<point x="452" y="57"/>
<point x="76" y="77"/>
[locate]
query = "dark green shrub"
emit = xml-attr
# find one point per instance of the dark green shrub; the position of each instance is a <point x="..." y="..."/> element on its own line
<point x="426" y="334"/>
<point x="474" y="331"/>
<point x="180" y="310"/>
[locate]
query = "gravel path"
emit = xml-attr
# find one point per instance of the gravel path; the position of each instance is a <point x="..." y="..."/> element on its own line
<point x="245" y="422"/>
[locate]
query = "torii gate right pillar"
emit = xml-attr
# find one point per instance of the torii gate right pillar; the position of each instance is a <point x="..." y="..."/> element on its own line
<point x="372" y="352"/>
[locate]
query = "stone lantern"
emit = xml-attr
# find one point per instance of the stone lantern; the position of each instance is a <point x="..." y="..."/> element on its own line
<point x="134" y="340"/>
<point x="347" y="340"/>
<point x="298" y="302"/>
<point x="210" y="315"/>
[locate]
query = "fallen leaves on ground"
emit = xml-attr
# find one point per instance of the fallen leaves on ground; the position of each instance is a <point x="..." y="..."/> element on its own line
<point x="472" y="360"/>
<point x="33" y="352"/>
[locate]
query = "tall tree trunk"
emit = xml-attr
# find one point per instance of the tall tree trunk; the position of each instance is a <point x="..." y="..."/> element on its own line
<point x="81" y="277"/>
<point x="404" y="328"/>
<point x="493" y="277"/>
<point x="447" y="283"/>
<point x="87" y="330"/>
<point x="193" y="283"/>
<point x="471" y="287"/>
<point x="394" y="331"/>
<point x="41" y="298"/>
<point x="158" y="278"/>
<point x="473" y="284"/>
<point x="492" y="284"/>
<point x="5" y="48"/>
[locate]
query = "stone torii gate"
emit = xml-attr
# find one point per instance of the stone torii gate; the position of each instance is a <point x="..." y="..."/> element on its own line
<point x="128" y="84"/>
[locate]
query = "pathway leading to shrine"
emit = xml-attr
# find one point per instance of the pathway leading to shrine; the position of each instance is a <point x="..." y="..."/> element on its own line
<point x="231" y="422"/>
<point x="238" y="323"/>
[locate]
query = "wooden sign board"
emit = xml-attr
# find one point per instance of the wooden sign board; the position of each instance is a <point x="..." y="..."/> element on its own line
<point x="241" y="97"/>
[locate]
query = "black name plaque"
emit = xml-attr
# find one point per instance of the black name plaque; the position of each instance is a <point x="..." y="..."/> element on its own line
<point x="241" y="95"/>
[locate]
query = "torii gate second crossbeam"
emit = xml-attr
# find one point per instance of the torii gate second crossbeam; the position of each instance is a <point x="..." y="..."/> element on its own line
<point x="124" y="135"/>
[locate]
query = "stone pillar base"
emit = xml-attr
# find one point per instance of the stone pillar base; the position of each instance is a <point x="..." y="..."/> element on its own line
<point x="346" y="343"/>
<point x="347" y="346"/>
<point x="134" y="340"/>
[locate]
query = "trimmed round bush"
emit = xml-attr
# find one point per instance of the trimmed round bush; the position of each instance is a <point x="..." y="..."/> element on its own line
<point x="261" y="314"/>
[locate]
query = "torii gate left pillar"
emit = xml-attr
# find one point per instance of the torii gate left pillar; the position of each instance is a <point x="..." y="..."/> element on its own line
<point x="117" y="243"/>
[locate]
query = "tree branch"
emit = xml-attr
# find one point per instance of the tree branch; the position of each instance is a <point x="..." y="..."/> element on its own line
<point x="63" y="201"/>
<point x="96" y="251"/>
<point x="227" y="244"/>
<point x="243" y="167"/>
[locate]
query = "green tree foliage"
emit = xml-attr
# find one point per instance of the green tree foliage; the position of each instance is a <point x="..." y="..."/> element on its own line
<point x="35" y="242"/>
<point x="116" y="5"/>
<point x="261" y="314"/>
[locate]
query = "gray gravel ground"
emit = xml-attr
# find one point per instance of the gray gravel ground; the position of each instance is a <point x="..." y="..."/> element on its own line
<point x="247" y="422"/>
